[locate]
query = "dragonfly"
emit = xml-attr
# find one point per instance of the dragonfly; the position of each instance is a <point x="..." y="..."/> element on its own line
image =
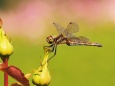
<point x="66" y="36"/>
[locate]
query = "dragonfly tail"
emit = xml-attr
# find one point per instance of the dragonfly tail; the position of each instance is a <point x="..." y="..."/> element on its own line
<point x="91" y="44"/>
<point x="84" y="44"/>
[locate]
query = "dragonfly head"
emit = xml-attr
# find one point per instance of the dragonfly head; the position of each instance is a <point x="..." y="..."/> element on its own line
<point x="50" y="39"/>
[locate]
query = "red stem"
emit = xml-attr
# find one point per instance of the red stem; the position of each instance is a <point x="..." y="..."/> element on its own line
<point x="5" y="61"/>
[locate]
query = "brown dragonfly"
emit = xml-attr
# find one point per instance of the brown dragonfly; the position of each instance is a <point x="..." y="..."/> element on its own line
<point x="66" y="36"/>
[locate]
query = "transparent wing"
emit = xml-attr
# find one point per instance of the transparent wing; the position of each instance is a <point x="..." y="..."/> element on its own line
<point x="59" y="28"/>
<point x="68" y="32"/>
<point x="72" y="27"/>
<point x="83" y="39"/>
<point x="79" y="39"/>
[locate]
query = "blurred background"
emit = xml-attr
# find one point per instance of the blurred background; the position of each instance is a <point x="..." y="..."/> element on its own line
<point x="29" y="22"/>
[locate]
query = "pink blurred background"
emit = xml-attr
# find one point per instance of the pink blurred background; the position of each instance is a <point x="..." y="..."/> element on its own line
<point x="31" y="17"/>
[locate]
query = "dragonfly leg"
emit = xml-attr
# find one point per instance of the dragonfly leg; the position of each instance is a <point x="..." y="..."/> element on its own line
<point x="49" y="48"/>
<point x="54" y="49"/>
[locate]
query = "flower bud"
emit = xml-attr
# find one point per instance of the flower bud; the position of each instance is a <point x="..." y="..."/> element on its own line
<point x="6" y="47"/>
<point x="42" y="76"/>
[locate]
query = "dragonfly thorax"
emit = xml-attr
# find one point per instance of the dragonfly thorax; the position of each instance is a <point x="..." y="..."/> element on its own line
<point x="50" y="39"/>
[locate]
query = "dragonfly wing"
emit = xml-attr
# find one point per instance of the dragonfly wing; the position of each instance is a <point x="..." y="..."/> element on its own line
<point x="80" y="39"/>
<point x="83" y="39"/>
<point x="70" y="35"/>
<point x="72" y="27"/>
<point x="59" y="28"/>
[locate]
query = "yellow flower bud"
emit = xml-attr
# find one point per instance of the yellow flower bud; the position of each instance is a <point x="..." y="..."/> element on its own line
<point x="6" y="47"/>
<point x="42" y="76"/>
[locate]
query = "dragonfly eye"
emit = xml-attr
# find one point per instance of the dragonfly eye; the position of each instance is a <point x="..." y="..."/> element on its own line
<point x="49" y="39"/>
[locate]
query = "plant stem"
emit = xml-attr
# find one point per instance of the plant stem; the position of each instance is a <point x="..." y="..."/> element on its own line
<point x="5" y="61"/>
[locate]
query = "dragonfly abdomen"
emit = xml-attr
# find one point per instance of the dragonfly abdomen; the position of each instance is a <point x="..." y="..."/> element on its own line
<point x="93" y="44"/>
<point x="75" y="43"/>
<point x="78" y="42"/>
